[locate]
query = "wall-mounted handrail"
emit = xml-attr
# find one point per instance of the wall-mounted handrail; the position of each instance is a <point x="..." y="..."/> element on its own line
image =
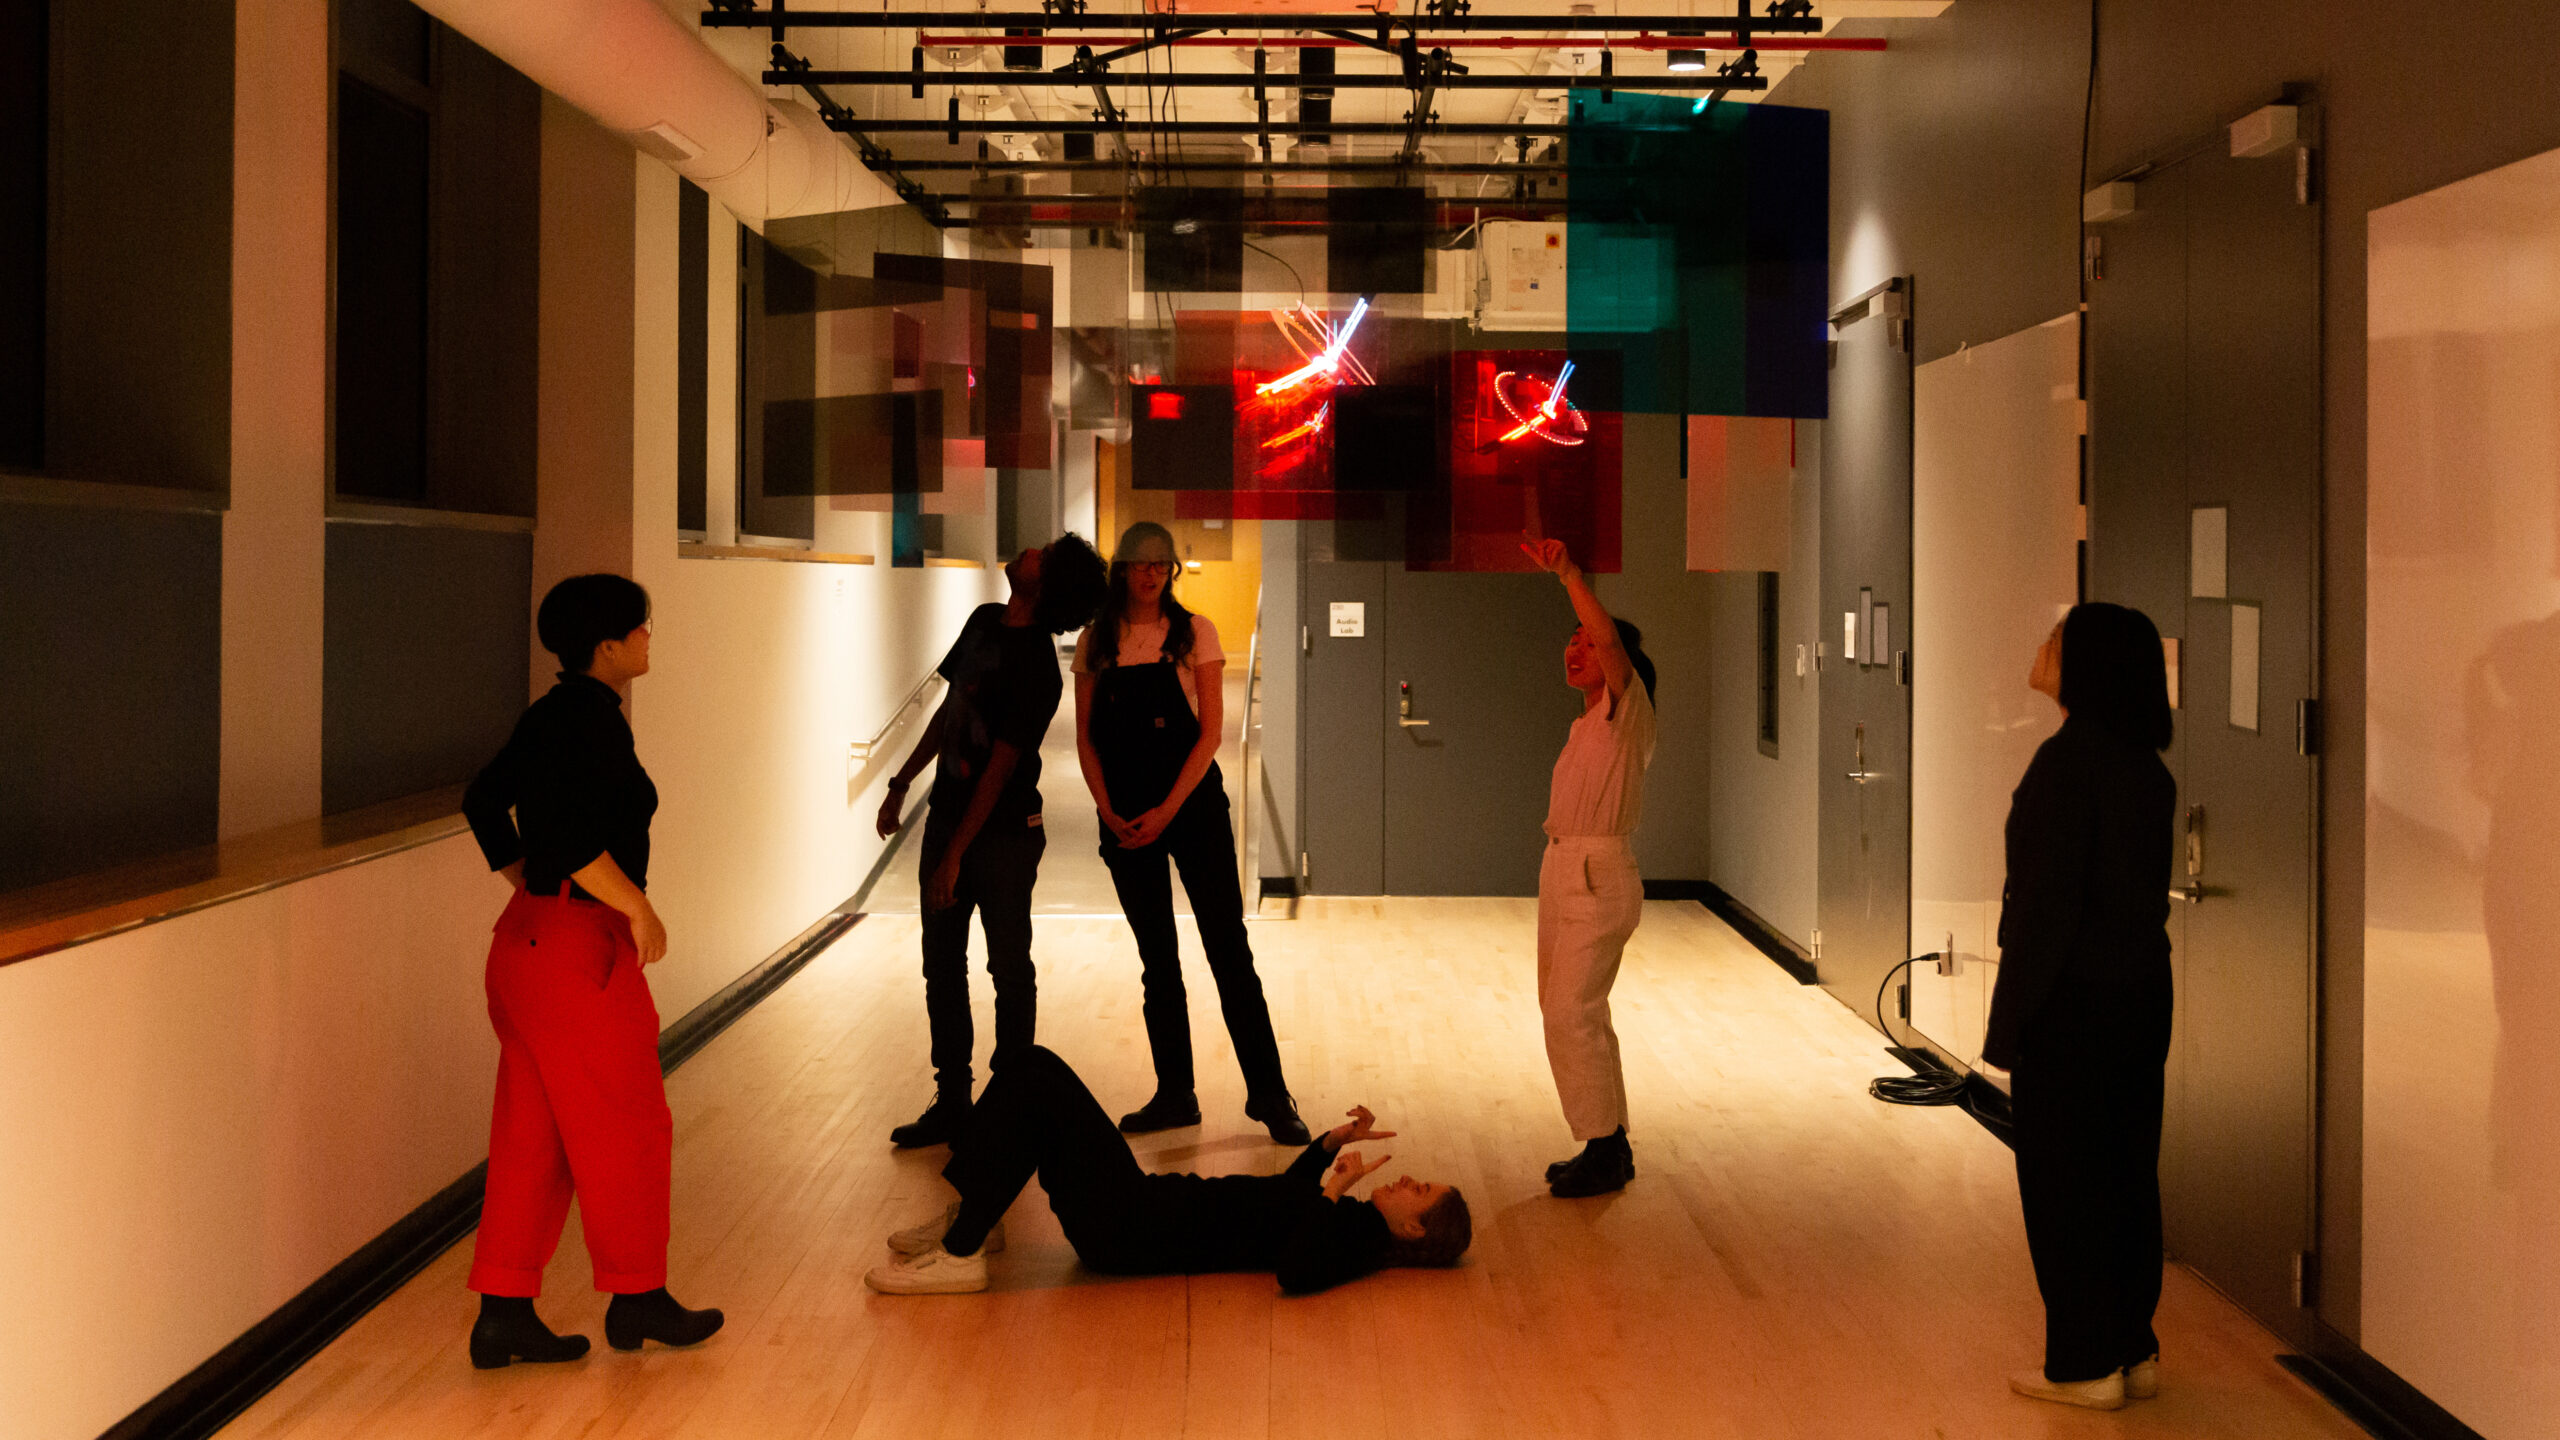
<point x="1249" y="784"/>
<point x="864" y="749"/>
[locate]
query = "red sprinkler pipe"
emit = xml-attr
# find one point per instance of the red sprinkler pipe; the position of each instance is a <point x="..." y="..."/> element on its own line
<point x="1433" y="42"/>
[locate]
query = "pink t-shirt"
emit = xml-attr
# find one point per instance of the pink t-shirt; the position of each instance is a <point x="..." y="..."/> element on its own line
<point x="1144" y="645"/>
<point x="1598" y="787"/>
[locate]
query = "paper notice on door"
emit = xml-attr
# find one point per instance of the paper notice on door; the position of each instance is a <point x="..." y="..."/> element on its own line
<point x="2244" y="667"/>
<point x="1350" y="619"/>
<point x="2209" y="553"/>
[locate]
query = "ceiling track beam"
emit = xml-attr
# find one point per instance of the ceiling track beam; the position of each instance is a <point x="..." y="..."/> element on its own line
<point x="1346" y="41"/>
<point x="1488" y="130"/>
<point x="779" y="19"/>
<point x="1255" y="167"/>
<point x="1684" y="83"/>
<point x="794" y="72"/>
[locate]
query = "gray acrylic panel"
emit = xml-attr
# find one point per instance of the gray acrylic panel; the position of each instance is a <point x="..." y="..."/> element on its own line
<point x="110" y="687"/>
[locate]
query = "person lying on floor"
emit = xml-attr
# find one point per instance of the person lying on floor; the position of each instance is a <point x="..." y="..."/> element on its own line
<point x="1037" y="1118"/>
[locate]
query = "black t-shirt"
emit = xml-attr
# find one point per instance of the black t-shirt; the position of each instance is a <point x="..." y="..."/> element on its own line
<point x="1004" y="687"/>
<point x="574" y="782"/>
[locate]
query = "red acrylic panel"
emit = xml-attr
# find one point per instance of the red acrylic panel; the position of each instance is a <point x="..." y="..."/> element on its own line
<point x="1521" y="464"/>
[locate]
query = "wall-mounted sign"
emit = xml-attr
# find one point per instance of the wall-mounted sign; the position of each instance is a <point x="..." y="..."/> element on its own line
<point x="1350" y="619"/>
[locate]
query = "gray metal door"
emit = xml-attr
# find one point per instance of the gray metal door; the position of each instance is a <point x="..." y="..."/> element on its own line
<point x="1863" y="896"/>
<point x="2204" y="387"/>
<point x="1340" y="771"/>
<point x="1481" y="659"/>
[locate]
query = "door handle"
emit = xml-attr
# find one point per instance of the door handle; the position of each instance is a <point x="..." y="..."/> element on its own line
<point x="1863" y="776"/>
<point x="2192" y="892"/>
<point x="1404" y="706"/>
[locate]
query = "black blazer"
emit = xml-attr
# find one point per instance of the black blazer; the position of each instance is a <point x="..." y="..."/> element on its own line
<point x="2092" y="829"/>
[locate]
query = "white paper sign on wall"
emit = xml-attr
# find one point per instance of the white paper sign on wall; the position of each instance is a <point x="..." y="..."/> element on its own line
<point x="1350" y="619"/>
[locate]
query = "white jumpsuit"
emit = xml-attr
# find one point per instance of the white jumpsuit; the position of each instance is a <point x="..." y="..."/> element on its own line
<point x="1589" y="900"/>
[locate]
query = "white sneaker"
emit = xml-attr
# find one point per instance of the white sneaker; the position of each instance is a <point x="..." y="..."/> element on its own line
<point x="939" y="1272"/>
<point x="917" y="1239"/>
<point x="2104" y="1393"/>
<point x="2142" y="1379"/>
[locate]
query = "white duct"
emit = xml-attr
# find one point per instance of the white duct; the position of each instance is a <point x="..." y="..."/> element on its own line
<point x="646" y="77"/>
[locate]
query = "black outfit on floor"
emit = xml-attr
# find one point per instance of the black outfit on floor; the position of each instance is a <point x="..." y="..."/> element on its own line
<point x="1143" y="730"/>
<point x="573" y="782"/>
<point x="1004" y="688"/>
<point x="2080" y="1017"/>
<point x="1037" y="1117"/>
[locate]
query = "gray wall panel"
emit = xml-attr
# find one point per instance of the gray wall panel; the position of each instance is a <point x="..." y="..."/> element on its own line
<point x="110" y="687"/>
<point x="426" y="651"/>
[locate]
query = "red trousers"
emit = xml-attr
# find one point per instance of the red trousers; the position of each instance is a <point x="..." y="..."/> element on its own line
<point x="581" y="1103"/>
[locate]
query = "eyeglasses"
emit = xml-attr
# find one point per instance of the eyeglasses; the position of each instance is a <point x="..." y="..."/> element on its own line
<point x="1152" y="567"/>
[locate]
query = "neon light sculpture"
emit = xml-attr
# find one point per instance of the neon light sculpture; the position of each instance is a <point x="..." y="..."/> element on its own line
<point x="1331" y="348"/>
<point x="1552" y="418"/>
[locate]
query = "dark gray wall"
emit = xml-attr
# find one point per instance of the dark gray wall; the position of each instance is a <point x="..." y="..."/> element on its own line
<point x="138" y="372"/>
<point x="425" y="654"/>
<point x="110" y="687"/>
<point x="1955" y="157"/>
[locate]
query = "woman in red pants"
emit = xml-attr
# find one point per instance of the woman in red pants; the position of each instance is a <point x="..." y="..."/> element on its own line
<point x="582" y="1105"/>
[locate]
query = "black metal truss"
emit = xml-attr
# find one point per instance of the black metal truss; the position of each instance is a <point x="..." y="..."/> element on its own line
<point x="1239" y="167"/>
<point x="1497" y="130"/>
<point x="793" y="70"/>
<point x="1430" y="79"/>
<point x="781" y="19"/>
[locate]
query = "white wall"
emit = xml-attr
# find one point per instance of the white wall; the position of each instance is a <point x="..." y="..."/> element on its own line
<point x="2461" y="1139"/>
<point x="1764" y="842"/>
<point x="200" y="1117"/>
<point x="1995" y="525"/>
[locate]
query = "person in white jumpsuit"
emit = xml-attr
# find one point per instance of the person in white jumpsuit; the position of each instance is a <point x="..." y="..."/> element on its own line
<point x="1589" y="894"/>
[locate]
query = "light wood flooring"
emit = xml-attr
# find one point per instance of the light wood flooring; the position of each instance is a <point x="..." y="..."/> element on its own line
<point x="1793" y="1260"/>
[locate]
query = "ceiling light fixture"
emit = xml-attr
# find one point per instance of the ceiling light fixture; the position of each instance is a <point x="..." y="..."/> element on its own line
<point x="1687" y="61"/>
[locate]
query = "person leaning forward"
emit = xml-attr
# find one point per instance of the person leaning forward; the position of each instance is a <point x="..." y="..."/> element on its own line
<point x="982" y="832"/>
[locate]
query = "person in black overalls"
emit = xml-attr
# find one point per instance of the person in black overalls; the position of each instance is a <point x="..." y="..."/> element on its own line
<point x="1149" y="708"/>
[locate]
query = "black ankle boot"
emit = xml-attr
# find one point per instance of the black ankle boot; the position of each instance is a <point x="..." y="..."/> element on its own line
<point x="1166" y="1111"/>
<point x="938" y="1125"/>
<point x="631" y="1319"/>
<point x="1605" y="1164"/>
<point x="1279" y="1115"/>
<point x="508" y="1331"/>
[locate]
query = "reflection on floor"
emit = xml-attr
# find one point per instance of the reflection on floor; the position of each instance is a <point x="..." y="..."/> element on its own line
<point x="1793" y="1260"/>
<point x="1072" y="878"/>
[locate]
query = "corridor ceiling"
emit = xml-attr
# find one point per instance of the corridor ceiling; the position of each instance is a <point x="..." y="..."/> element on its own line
<point x="1450" y="95"/>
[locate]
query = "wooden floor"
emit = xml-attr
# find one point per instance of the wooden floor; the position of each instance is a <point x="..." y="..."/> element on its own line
<point x="1793" y="1260"/>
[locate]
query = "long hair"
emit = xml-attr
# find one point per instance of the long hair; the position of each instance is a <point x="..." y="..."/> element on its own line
<point x="2114" y="675"/>
<point x="1115" y="601"/>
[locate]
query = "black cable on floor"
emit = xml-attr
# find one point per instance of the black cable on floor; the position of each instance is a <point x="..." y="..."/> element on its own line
<point x="1942" y="1087"/>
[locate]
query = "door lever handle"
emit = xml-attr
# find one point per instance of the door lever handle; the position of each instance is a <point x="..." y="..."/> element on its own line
<point x="1863" y="776"/>
<point x="1409" y="722"/>
<point x="2192" y="892"/>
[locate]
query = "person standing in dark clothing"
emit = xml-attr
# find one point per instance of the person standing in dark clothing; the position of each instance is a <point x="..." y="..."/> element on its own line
<point x="563" y="812"/>
<point x="2081" y="1012"/>
<point x="982" y="833"/>
<point x="1037" y="1118"/>
<point x="1150" y="705"/>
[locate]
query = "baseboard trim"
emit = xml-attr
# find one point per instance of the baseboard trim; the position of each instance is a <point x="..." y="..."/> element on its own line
<point x="1763" y="936"/>
<point x="2366" y="1391"/>
<point x="215" y="1393"/>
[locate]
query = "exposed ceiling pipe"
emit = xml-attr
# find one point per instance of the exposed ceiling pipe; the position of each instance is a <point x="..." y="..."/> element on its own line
<point x="639" y="73"/>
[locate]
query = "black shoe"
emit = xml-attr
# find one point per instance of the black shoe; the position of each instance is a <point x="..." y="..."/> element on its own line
<point x="631" y="1319"/>
<point x="1164" y="1112"/>
<point x="1279" y="1115"/>
<point x="940" y="1121"/>
<point x="1605" y="1165"/>
<point x="508" y="1331"/>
